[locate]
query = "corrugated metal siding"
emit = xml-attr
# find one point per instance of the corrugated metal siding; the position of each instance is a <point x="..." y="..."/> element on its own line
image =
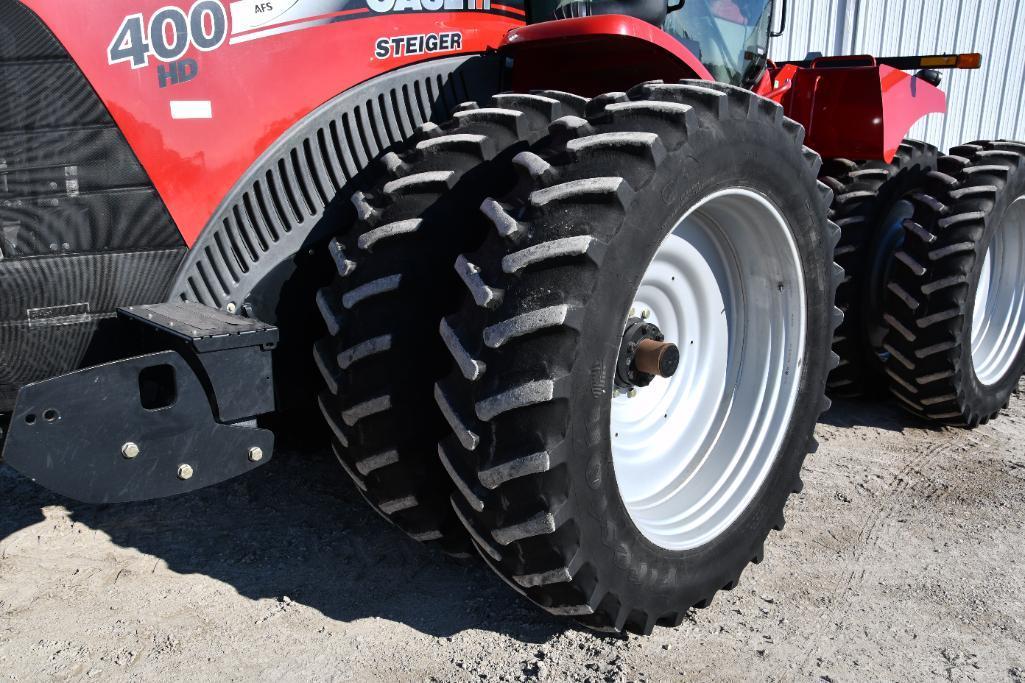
<point x="989" y="103"/>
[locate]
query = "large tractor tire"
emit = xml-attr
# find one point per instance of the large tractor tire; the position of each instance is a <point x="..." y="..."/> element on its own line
<point x="394" y="283"/>
<point x="956" y="299"/>
<point x="870" y="203"/>
<point x="689" y="212"/>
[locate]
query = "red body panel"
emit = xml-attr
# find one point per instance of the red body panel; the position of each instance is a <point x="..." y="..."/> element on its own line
<point x="256" y="89"/>
<point x="856" y="112"/>
<point x="592" y="55"/>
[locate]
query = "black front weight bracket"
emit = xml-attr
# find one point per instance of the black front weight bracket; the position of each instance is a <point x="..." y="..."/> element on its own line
<point x="179" y="418"/>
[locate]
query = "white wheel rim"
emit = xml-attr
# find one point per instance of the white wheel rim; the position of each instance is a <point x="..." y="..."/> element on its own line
<point x="998" y="319"/>
<point x="691" y="451"/>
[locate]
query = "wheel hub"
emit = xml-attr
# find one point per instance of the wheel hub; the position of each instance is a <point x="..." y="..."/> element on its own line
<point x="644" y="355"/>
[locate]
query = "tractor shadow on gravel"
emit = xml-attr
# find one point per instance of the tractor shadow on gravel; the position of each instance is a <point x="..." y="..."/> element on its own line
<point x="297" y="528"/>
<point x="879" y="413"/>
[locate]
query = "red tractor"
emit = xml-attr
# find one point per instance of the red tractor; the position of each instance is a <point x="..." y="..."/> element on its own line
<point x="575" y="275"/>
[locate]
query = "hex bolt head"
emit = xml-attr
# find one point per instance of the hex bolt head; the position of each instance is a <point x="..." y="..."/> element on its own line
<point x="231" y="308"/>
<point x="632" y="393"/>
<point x="255" y="454"/>
<point x="185" y="472"/>
<point x="130" y="451"/>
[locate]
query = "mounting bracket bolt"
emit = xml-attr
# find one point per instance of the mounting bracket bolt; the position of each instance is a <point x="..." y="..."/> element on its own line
<point x="255" y="454"/>
<point x="185" y="472"/>
<point x="130" y="451"/>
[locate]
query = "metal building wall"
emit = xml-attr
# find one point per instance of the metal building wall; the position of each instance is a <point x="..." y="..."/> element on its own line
<point x="988" y="103"/>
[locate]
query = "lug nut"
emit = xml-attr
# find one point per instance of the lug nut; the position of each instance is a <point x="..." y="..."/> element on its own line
<point x="255" y="454"/>
<point x="130" y="451"/>
<point x="645" y="314"/>
<point x="185" y="472"/>
<point x="631" y="393"/>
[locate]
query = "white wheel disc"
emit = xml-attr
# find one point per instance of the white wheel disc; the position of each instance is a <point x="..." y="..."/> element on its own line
<point x="998" y="319"/>
<point x="691" y="451"/>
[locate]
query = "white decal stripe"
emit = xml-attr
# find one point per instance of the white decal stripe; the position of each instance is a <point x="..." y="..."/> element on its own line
<point x="287" y="28"/>
<point x="196" y="109"/>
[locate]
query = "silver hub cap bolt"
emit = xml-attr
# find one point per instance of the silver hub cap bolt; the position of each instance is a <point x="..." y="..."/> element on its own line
<point x="130" y="451"/>
<point x="185" y="472"/>
<point x="255" y="454"/>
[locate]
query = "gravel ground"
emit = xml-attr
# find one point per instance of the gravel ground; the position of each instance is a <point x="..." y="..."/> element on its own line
<point x="900" y="561"/>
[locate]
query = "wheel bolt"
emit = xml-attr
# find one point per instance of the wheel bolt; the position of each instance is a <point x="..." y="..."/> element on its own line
<point x="631" y="393"/>
<point x="645" y="314"/>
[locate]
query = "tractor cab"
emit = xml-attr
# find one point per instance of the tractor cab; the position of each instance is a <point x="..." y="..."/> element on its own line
<point x="730" y="37"/>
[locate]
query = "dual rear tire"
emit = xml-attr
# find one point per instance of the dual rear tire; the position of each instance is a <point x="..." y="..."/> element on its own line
<point x="933" y="250"/>
<point x="955" y="303"/>
<point x="627" y="510"/>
